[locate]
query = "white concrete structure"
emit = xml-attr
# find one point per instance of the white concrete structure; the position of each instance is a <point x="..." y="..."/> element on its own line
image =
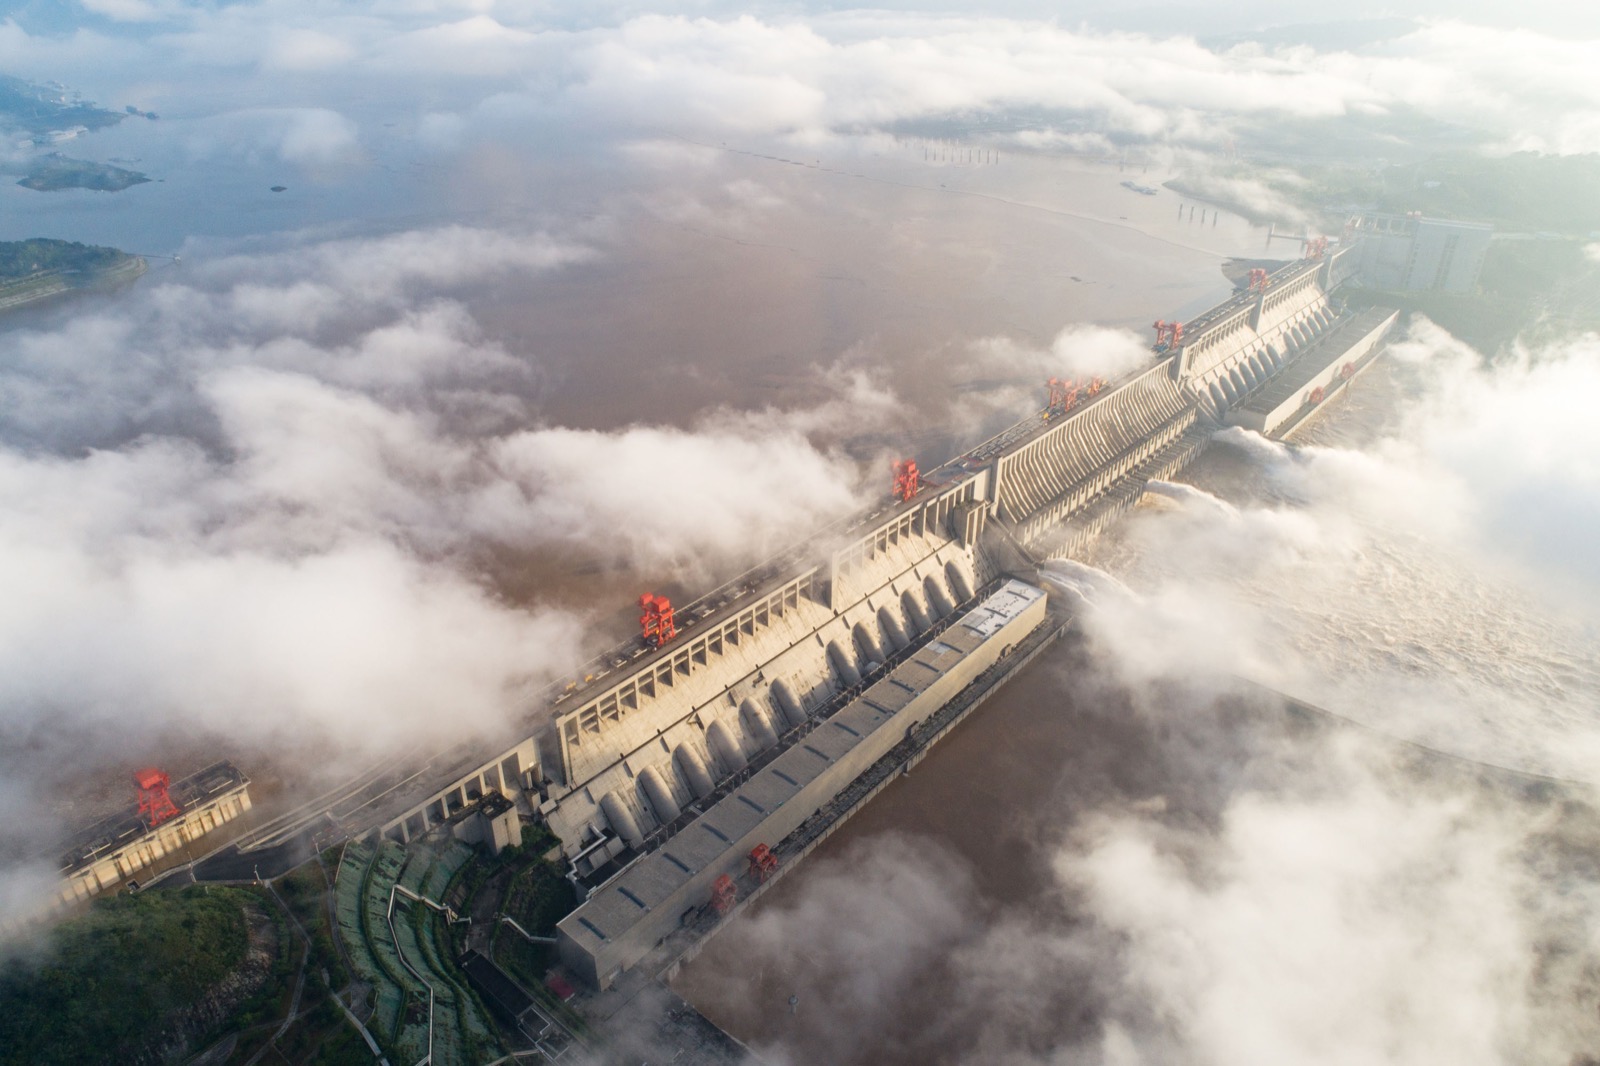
<point x="629" y="915"/>
<point x="1414" y="254"/>
<point x="631" y="753"/>
<point x="1329" y="365"/>
<point x="113" y="852"/>
<point x="492" y="821"/>
<point x="643" y="748"/>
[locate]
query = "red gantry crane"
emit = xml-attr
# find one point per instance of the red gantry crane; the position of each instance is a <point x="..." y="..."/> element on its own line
<point x="155" y="801"/>
<point x="907" y="479"/>
<point x="656" y="619"/>
<point x="1168" y="334"/>
<point x="1062" y="394"/>
<point x="763" y="864"/>
<point x="724" y="894"/>
<point x="1258" y="280"/>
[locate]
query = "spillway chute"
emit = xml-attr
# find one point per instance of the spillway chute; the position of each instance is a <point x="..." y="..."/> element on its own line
<point x="960" y="585"/>
<point x="1239" y="383"/>
<point x="892" y="630"/>
<point x="794" y="711"/>
<point x="621" y="819"/>
<point x="692" y="769"/>
<point x="659" y="794"/>
<point x="728" y="750"/>
<point x="871" y="652"/>
<point x="1217" y="398"/>
<point x="757" y="725"/>
<point x="916" y="615"/>
<point x="938" y="599"/>
<point x="844" y="665"/>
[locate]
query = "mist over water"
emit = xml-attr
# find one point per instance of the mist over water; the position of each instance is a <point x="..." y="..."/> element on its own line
<point x="1128" y="856"/>
<point x="555" y="307"/>
<point x="291" y="498"/>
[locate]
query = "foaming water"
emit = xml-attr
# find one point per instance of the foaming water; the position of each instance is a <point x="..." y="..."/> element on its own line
<point x="1403" y="631"/>
<point x="1087" y="585"/>
<point x="1109" y="755"/>
<point x="1407" y="636"/>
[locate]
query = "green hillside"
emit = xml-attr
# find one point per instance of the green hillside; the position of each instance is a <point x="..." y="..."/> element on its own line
<point x="113" y="983"/>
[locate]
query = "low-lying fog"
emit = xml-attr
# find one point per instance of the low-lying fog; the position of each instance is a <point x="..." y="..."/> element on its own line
<point x="552" y="310"/>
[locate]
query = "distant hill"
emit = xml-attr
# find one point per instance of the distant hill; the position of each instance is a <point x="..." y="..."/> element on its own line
<point x="41" y="110"/>
<point x="38" y="269"/>
<point x="53" y="172"/>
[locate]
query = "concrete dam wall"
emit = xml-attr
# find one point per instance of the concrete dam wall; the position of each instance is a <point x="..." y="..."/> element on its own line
<point x="629" y="757"/>
<point x="653" y="739"/>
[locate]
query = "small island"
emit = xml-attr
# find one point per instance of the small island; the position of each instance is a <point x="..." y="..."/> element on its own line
<point x="52" y="115"/>
<point x="50" y="112"/>
<point x="35" y="270"/>
<point x="55" y="172"/>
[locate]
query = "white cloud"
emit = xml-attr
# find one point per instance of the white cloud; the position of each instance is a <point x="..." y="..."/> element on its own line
<point x="1436" y="584"/>
<point x="124" y="10"/>
<point x="250" y="505"/>
<point x="876" y="917"/>
<point x="1081" y="352"/>
<point x="318" y="137"/>
<point x="305" y="50"/>
<point x="1517" y="438"/>
<point x="1350" y="916"/>
<point x="808" y="75"/>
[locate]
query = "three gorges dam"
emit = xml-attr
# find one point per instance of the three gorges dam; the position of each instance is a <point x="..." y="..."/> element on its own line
<point x="694" y="766"/>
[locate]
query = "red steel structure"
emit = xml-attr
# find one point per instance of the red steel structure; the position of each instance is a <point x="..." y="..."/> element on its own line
<point x="1062" y="395"/>
<point x="1316" y="247"/>
<point x="1168" y="334"/>
<point x="907" y="479"/>
<point x="1258" y="280"/>
<point x="656" y="619"/>
<point x="155" y="801"/>
<point x="724" y="894"/>
<point x="763" y="864"/>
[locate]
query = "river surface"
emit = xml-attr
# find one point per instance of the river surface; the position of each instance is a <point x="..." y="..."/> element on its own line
<point x="724" y="275"/>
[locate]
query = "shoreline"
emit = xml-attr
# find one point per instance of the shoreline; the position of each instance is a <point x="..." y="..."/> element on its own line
<point x="39" y="288"/>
